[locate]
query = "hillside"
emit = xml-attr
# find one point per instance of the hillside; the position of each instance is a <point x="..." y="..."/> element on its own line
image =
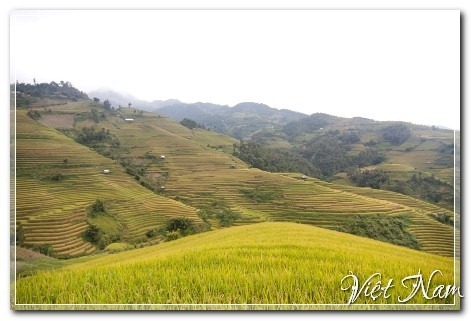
<point x="58" y="181"/>
<point x="414" y="160"/>
<point x="262" y="266"/>
<point x="240" y="121"/>
<point x="200" y="171"/>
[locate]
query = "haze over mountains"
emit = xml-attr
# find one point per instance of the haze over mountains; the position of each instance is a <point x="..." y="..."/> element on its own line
<point x="240" y="121"/>
<point x="118" y="99"/>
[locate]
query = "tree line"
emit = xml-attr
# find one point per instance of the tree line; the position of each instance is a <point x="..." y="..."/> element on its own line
<point x="62" y="89"/>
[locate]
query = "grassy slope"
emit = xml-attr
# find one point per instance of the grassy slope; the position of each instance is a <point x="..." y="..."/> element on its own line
<point x="267" y="263"/>
<point x="54" y="212"/>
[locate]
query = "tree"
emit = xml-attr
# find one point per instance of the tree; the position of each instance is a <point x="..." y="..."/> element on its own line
<point x="369" y="178"/>
<point x="368" y="157"/>
<point x="185" y="226"/>
<point x="97" y="208"/>
<point x="129" y="105"/>
<point x="95" y="99"/>
<point x="51" y="89"/>
<point x="226" y="217"/>
<point x="396" y="134"/>
<point x="93" y="234"/>
<point x="107" y="104"/>
<point x="191" y="124"/>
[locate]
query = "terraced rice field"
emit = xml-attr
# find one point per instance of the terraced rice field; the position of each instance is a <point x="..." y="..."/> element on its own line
<point x="196" y="175"/>
<point x="162" y="136"/>
<point x="53" y="213"/>
<point x="434" y="237"/>
<point x="295" y="198"/>
<point x="199" y="175"/>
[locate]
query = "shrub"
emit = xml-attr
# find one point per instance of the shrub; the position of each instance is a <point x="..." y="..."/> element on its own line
<point x="93" y="234"/>
<point x="205" y="215"/>
<point x="45" y="249"/>
<point x="443" y="218"/>
<point x="172" y="236"/>
<point x="226" y="217"/>
<point x="104" y="241"/>
<point x="392" y="229"/>
<point x="20" y="236"/>
<point x="97" y="208"/>
<point x="34" y="114"/>
<point x="183" y="225"/>
<point x="151" y="233"/>
<point x="57" y="177"/>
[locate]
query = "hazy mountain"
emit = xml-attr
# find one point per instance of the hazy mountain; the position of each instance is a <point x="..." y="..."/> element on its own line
<point x="122" y="99"/>
<point x="155" y="104"/>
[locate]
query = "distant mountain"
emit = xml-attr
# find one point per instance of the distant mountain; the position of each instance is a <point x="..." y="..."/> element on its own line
<point x="155" y="104"/>
<point x="119" y="99"/>
<point x="241" y="121"/>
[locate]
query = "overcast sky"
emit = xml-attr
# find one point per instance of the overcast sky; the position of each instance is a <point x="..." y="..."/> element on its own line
<point x="384" y="65"/>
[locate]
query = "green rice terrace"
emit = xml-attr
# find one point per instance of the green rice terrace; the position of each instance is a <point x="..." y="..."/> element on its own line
<point x="82" y="170"/>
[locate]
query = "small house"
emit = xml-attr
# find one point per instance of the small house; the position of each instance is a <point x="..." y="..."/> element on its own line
<point x="106" y="171"/>
<point x="129" y="120"/>
<point x="162" y="157"/>
<point x="304" y="177"/>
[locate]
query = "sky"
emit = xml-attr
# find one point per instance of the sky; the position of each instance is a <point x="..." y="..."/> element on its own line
<point x="379" y="64"/>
